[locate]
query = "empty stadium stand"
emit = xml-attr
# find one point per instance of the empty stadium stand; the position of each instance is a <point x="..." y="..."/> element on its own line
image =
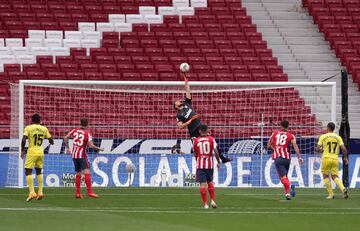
<point x="132" y="40"/>
<point x="303" y="52"/>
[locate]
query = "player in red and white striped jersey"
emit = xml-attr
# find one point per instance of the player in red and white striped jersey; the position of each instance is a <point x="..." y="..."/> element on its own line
<point x="279" y="142"/>
<point x="205" y="148"/>
<point x="81" y="138"/>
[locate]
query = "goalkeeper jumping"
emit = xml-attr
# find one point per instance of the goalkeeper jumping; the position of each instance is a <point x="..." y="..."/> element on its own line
<point x="187" y="117"/>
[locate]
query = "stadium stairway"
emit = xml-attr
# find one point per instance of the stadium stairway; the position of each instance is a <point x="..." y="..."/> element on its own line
<point x="303" y="52"/>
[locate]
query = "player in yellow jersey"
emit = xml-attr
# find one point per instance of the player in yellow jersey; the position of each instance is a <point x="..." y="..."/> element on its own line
<point x="36" y="134"/>
<point x="330" y="144"/>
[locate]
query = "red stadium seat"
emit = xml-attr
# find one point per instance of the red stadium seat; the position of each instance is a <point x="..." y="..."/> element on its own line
<point x="35" y="75"/>
<point x="63" y="59"/>
<point x="168" y="76"/>
<point x="107" y="68"/>
<point x="126" y="68"/>
<point x="12" y="68"/>
<point x="93" y="76"/>
<point x="207" y="77"/>
<point x="152" y="76"/>
<point x="89" y="68"/>
<point x="242" y="77"/>
<point x="113" y="76"/>
<point x="31" y="67"/>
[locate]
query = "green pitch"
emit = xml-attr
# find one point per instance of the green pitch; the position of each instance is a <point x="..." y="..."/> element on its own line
<point x="178" y="209"/>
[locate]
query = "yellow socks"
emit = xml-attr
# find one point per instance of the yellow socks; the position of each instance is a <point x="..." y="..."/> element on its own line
<point x="328" y="186"/>
<point x="339" y="184"/>
<point x="40" y="183"/>
<point x="30" y="183"/>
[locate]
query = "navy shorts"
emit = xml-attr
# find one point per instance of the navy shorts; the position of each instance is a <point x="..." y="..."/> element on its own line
<point x="81" y="164"/>
<point x="194" y="134"/>
<point x="282" y="166"/>
<point x="204" y="175"/>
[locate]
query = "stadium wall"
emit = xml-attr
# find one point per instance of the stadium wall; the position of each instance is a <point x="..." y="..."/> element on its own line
<point x="158" y="168"/>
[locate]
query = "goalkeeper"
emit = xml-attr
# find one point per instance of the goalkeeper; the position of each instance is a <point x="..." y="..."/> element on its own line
<point x="187" y="117"/>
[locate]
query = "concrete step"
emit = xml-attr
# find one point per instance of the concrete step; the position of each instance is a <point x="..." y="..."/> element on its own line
<point x="280" y="15"/>
<point x="289" y="23"/>
<point x="305" y="41"/>
<point x="276" y="40"/>
<point x="314" y="58"/>
<point x="263" y="23"/>
<point x="290" y="32"/>
<point x="333" y="66"/>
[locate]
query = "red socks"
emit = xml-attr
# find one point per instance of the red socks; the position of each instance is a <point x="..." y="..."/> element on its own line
<point x="77" y="183"/>
<point x="211" y="191"/>
<point x="285" y="181"/>
<point x="203" y="194"/>
<point x="88" y="182"/>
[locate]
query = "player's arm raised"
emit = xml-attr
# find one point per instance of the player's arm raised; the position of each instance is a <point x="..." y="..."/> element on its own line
<point x="93" y="146"/>
<point x="297" y="150"/>
<point x="345" y="154"/>
<point x="187" y="87"/>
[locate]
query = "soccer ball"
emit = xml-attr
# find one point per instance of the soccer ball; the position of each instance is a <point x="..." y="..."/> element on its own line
<point x="130" y="168"/>
<point x="184" y="67"/>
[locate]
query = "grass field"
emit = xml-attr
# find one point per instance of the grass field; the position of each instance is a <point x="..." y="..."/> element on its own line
<point x="178" y="209"/>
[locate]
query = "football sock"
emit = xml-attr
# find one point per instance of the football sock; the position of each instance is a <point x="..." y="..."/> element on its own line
<point x="339" y="184"/>
<point x="30" y="183"/>
<point x="211" y="190"/>
<point x="285" y="181"/>
<point x="88" y="182"/>
<point x="40" y="179"/>
<point x="328" y="186"/>
<point x="203" y="194"/>
<point x="77" y="183"/>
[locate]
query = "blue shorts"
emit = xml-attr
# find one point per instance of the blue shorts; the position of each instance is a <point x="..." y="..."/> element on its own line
<point x="282" y="166"/>
<point x="204" y="175"/>
<point x="81" y="164"/>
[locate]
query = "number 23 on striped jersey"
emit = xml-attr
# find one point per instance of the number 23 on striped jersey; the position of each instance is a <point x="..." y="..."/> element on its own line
<point x="204" y="148"/>
<point x="78" y="139"/>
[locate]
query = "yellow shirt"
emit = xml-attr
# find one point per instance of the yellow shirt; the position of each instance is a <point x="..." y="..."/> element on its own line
<point x="330" y="143"/>
<point x="36" y="134"/>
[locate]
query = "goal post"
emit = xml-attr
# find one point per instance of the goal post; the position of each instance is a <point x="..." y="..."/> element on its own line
<point x="137" y="119"/>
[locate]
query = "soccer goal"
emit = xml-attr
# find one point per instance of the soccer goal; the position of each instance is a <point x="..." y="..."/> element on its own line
<point x="135" y="122"/>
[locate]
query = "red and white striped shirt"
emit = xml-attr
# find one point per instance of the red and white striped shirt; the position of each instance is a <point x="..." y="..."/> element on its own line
<point x="281" y="141"/>
<point x="81" y="137"/>
<point x="204" y="147"/>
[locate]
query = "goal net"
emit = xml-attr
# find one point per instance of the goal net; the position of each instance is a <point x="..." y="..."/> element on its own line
<point x="135" y="122"/>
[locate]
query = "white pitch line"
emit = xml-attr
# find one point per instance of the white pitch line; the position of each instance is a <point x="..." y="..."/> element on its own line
<point x="171" y="194"/>
<point x="175" y="212"/>
<point x="185" y="207"/>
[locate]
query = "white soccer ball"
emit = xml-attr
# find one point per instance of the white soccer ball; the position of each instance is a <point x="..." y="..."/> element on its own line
<point x="184" y="67"/>
<point x="130" y="168"/>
